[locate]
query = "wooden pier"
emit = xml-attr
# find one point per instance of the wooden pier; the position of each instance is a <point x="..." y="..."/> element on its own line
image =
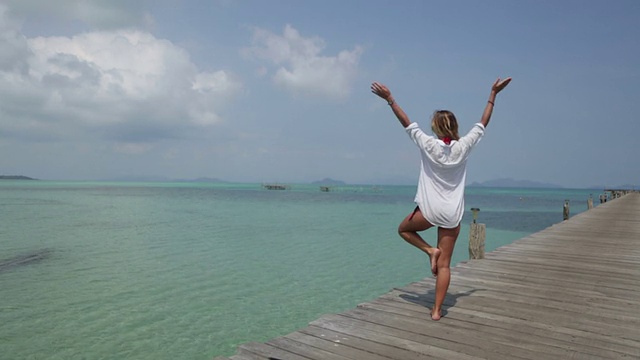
<point x="571" y="291"/>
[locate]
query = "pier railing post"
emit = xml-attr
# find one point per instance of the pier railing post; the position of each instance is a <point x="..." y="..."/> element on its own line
<point x="477" y="234"/>
<point x="602" y="198"/>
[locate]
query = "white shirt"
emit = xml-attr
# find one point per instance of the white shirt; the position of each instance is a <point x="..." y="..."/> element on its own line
<point x="443" y="171"/>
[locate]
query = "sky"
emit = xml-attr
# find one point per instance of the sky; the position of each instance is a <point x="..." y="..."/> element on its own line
<point x="279" y="90"/>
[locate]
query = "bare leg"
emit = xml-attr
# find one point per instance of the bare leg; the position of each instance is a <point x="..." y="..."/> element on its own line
<point x="408" y="230"/>
<point x="446" y="242"/>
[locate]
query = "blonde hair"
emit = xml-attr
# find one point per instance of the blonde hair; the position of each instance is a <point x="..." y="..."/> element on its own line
<point x="444" y="124"/>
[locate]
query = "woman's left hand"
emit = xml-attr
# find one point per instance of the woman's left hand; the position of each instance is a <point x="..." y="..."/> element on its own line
<point x="381" y="90"/>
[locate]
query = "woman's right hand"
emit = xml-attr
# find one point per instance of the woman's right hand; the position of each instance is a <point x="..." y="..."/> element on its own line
<point x="499" y="85"/>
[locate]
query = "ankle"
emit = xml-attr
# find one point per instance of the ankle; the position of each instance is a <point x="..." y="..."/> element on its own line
<point x="430" y="250"/>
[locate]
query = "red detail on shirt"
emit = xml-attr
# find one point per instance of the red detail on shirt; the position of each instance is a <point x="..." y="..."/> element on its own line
<point x="447" y="140"/>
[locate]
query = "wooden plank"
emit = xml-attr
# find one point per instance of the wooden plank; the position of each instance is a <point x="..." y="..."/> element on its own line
<point x="426" y="330"/>
<point x="493" y="337"/>
<point x="582" y="246"/>
<point x="399" y="341"/>
<point x="246" y="355"/>
<point x="605" y="288"/>
<point x="555" y="293"/>
<point x="558" y="274"/>
<point x="505" y="329"/>
<point x="558" y="270"/>
<point x="605" y="342"/>
<point x="574" y="303"/>
<point x="325" y="342"/>
<point x="539" y="254"/>
<point x="544" y="314"/>
<point x="242" y="357"/>
<point x="302" y="349"/>
<point x="545" y="253"/>
<point x="264" y="351"/>
<point x="366" y="340"/>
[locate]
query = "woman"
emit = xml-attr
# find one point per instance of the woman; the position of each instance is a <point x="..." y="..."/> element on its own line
<point x="440" y="194"/>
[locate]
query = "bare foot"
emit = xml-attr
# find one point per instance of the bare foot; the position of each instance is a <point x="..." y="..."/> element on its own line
<point x="435" y="254"/>
<point x="435" y="315"/>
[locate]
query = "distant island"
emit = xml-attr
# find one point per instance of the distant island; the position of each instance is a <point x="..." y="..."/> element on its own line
<point x="511" y="183"/>
<point x="15" y="177"/>
<point x="328" y="181"/>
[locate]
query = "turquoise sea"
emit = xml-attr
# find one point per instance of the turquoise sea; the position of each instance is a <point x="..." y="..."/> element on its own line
<point x="93" y="270"/>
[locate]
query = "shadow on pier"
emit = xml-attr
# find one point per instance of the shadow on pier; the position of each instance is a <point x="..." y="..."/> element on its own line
<point x="428" y="298"/>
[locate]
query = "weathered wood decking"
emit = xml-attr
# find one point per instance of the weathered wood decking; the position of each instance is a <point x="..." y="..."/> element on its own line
<point x="571" y="291"/>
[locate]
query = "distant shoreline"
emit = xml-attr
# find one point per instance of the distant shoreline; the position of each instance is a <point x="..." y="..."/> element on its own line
<point x="503" y="183"/>
<point x="15" y="177"/>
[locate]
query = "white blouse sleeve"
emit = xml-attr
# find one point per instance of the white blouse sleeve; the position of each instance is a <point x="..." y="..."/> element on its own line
<point x="473" y="136"/>
<point x="418" y="136"/>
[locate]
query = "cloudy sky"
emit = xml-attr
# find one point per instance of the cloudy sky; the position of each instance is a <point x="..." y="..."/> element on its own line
<point x="278" y="90"/>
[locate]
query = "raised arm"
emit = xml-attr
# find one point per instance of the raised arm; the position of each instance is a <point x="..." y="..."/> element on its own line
<point x="495" y="89"/>
<point x="383" y="92"/>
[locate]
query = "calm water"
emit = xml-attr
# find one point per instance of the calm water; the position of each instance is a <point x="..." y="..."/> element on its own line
<point x="190" y="271"/>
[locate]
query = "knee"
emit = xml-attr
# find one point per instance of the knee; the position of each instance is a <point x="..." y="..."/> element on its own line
<point x="403" y="231"/>
<point x="401" y="228"/>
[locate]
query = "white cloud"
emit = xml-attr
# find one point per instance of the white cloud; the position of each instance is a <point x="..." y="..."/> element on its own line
<point x="125" y="86"/>
<point x="300" y="65"/>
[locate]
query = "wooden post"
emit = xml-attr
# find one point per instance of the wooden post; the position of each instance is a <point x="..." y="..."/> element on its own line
<point x="565" y="210"/>
<point x="590" y="202"/>
<point x="476" y="241"/>
<point x="477" y="235"/>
